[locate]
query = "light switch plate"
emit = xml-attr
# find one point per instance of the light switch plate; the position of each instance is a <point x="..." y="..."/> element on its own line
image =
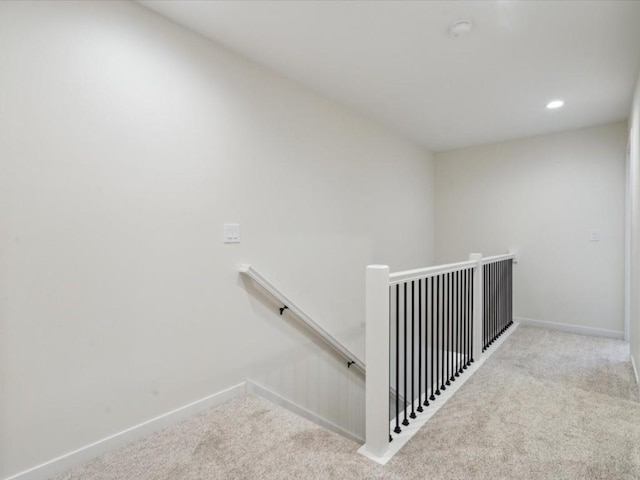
<point x="594" y="235"/>
<point x="231" y="233"/>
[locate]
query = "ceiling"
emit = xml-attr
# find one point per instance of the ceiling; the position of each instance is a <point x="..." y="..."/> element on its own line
<point x="396" y="61"/>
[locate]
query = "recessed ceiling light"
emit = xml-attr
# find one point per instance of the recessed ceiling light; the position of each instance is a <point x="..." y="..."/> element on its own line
<point x="555" y="104"/>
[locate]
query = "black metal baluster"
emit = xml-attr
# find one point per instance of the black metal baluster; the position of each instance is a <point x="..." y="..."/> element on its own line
<point x="469" y="317"/>
<point x="467" y="336"/>
<point x="456" y="338"/>
<point x="434" y="335"/>
<point x="459" y="324"/>
<point x="426" y="342"/>
<point x="420" y="345"/>
<point x="445" y="329"/>
<point x="447" y="382"/>
<point x="491" y="299"/>
<point x="509" y="286"/>
<point x="498" y="300"/>
<point x="454" y="333"/>
<point x="390" y="353"/>
<point x="509" y="317"/>
<point x="497" y="268"/>
<point x="489" y="303"/>
<point x="465" y="330"/>
<point x="510" y="280"/>
<point x="397" y="429"/>
<point x="405" y="422"/>
<point x="452" y="324"/>
<point x="413" y="356"/>
<point x="490" y="322"/>
<point x="441" y="317"/>
<point x="508" y="293"/>
<point x="489" y="309"/>
<point x="446" y="320"/>
<point x="496" y="303"/>
<point x="502" y="298"/>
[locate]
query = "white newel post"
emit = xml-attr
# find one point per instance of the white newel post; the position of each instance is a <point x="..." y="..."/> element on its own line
<point x="477" y="305"/>
<point x="377" y="360"/>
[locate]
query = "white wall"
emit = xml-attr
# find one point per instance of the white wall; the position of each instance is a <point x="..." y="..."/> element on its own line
<point x="543" y="195"/>
<point x="634" y="185"/>
<point x="125" y="144"/>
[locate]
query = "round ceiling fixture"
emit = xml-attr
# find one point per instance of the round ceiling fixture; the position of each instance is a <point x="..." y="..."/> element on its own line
<point x="460" y="28"/>
<point x="555" y="104"/>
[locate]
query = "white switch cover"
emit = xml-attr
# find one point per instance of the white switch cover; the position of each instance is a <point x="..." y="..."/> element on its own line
<point x="231" y="233"/>
<point x="595" y="235"/>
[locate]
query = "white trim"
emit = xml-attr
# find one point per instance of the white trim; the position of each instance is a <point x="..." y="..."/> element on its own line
<point x="627" y="243"/>
<point x="635" y="370"/>
<point x="400" y="277"/>
<point x="273" y="397"/>
<point x="498" y="258"/>
<point x="564" y="327"/>
<point x="477" y="300"/>
<point x="377" y="358"/>
<point x="112" y="442"/>
<point x="409" y="431"/>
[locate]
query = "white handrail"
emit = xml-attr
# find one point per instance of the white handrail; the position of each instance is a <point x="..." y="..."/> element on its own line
<point x="498" y="258"/>
<point x="298" y="312"/>
<point x="408" y="275"/>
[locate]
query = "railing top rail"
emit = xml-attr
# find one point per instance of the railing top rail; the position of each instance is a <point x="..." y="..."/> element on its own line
<point x="408" y="275"/>
<point x="298" y="312"/>
<point x="498" y="258"/>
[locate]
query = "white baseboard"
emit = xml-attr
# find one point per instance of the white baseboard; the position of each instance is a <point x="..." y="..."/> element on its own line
<point x="112" y="442"/>
<point x="564" y="327"/>
<point x="270" y="395"/>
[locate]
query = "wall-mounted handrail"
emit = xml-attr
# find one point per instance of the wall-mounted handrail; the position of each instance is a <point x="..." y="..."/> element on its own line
<point x="287" y="304"/>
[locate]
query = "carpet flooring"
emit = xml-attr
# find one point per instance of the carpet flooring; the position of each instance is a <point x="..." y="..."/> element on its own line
<point x="546" y="405"/>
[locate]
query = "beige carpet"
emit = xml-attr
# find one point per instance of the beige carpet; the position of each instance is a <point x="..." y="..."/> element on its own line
<point x="546" y="405"/>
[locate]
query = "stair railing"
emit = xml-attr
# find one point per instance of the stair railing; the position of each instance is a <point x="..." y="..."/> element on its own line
<point x="424" y="328"/>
